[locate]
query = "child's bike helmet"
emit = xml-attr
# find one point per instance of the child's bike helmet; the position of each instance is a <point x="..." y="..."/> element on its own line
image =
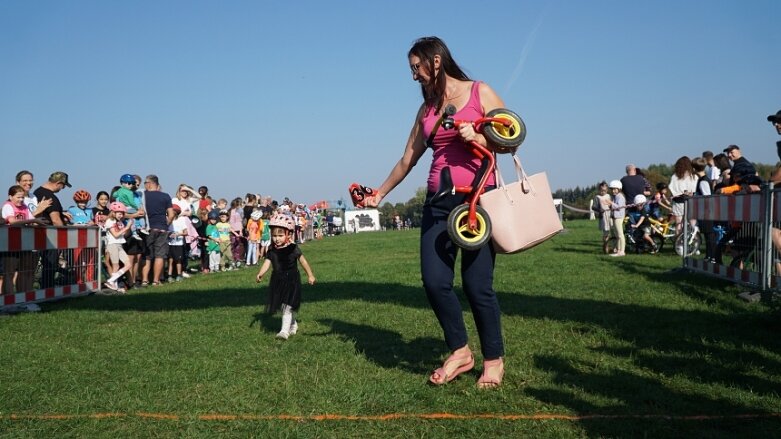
<point x="82" y="196"/>
<point x="214" y="214"/>
<point x="283" y="221"/>
<point x="127" y="178"/>
<point x="117" y="206"/>
<point x="640" y="199"/>
<point x="615" y="184"/>
<point x="256" y="215"/>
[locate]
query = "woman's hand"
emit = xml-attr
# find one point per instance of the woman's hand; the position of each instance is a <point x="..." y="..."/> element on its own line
<point x="467" y="132"/>
<point x="373" y="201"/>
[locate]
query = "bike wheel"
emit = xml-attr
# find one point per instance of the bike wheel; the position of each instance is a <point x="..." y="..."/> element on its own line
<point x="694" y="244"/>
<point x="505" y="139"/>
<point x="461" y="234"/>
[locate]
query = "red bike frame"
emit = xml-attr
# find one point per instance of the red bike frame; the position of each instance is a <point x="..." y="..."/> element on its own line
<point x="480" y="152"/>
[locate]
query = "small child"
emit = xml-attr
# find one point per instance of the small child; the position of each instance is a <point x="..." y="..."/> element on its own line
<point x="661" y="200"/>
<point x="125" y="194"/>
<point x="639" y="220"/>
<point x="80" y="215"/>
<point x="254" y="228"/>
<point x="116" y="229"/>
<point x="265" y="234"/>
<point x="101" y="211"/>
<point x="213" y="241"/>
<point x="617" y="213"/>
<point x="177" y="231"/>
<point x="203" y="222"/>
<point x="226" y="252"/>
<point x="284" y="291"/>
<point x="236" y="221"/>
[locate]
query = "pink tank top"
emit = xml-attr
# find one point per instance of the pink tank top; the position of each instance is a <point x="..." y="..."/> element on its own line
<point x="19" y="213"/>
<point x="449" y="149"/>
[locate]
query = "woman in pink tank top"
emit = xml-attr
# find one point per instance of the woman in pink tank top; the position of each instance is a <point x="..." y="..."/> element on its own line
<point x="443" y="83"/>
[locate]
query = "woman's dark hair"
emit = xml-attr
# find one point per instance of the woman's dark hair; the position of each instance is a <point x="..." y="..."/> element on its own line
<point x="661" y="185"/>
<point x="111" y="198"/>
<point x="683" y="167"/>
<point x="721" y="161"/>
<point x="15" y="189"/>
<point x="426" y="49"/>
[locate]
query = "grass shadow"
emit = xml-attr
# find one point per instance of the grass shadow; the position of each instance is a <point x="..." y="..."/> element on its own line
<point x="388" y="349"/>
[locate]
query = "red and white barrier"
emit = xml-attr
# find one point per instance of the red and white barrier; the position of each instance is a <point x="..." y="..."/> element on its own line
<point x="750" y="217"/>
<point x="723" y="271"/>
<point x="741" y="208"/>
<point x="14" y="239"/>
<point x="24" y="239"/>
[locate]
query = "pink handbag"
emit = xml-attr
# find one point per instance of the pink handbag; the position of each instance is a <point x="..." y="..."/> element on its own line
<point x="522" y="213"/>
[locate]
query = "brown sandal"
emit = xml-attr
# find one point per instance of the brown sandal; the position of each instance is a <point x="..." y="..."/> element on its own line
<point x="440" y="376"/>
<point x="493" y="372"/>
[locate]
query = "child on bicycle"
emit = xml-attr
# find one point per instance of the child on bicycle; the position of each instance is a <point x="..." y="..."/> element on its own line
<point x="638" y="220"/>
<point x="660" y="201"/>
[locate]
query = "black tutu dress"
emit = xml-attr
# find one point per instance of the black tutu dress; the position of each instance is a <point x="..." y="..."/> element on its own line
<point x="285" y="284"/>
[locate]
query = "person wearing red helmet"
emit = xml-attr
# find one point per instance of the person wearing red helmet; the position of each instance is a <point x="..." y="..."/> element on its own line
<point x="80" y="214"/>
<point x="284" y="292"/>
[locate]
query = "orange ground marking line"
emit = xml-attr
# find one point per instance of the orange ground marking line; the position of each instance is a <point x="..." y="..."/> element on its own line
<point x="383" y="417"/>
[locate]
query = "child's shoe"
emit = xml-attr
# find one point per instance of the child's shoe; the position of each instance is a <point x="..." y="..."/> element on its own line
<point x="178" y="278"/>
<point x="114" y="276"/>
<point x="185" y="275"/>
<point x="283" y="335"/>
<point x="294" y="328"/>
<point x="171" y="279"/>
<point x="136" y="236"/>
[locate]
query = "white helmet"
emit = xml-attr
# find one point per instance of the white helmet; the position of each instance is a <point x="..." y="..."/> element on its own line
<point x="615" y="184"/>
<point x="256" y="215"/>
<point x="640" y="199"/>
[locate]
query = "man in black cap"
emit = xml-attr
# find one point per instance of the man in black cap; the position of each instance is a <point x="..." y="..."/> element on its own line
<point x="52" y="216"/>
<point x="741" y="167"/>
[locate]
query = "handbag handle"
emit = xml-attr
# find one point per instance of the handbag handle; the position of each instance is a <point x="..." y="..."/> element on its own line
<point x="526" y="184"/>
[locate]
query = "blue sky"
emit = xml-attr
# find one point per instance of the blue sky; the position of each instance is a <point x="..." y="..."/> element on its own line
<point x="302" y="98"/>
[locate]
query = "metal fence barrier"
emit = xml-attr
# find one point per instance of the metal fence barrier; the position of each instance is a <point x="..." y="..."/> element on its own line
<point x="734" y="242"/>
<point x="42" y="264"/>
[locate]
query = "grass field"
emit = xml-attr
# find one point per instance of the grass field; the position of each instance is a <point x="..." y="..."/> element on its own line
<point x="596" y="347"/>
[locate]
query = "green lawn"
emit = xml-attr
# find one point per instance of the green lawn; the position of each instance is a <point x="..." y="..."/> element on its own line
<point x="596" y="347"/>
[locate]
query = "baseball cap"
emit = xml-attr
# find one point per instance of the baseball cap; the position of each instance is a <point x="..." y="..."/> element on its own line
<point x="60" y="177"/>
<point x="731" y="147"/>
<point x="775" y="118"/>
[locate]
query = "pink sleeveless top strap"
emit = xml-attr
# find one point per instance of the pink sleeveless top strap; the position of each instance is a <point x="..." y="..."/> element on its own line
<point x="449" y="149"/>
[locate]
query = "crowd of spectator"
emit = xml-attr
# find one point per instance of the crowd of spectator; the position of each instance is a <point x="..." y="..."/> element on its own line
<point x="728" y="172"/>
<point x="149" y="236"/>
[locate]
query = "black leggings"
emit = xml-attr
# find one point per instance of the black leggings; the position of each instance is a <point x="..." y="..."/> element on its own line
<point x="437" y="263"/>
